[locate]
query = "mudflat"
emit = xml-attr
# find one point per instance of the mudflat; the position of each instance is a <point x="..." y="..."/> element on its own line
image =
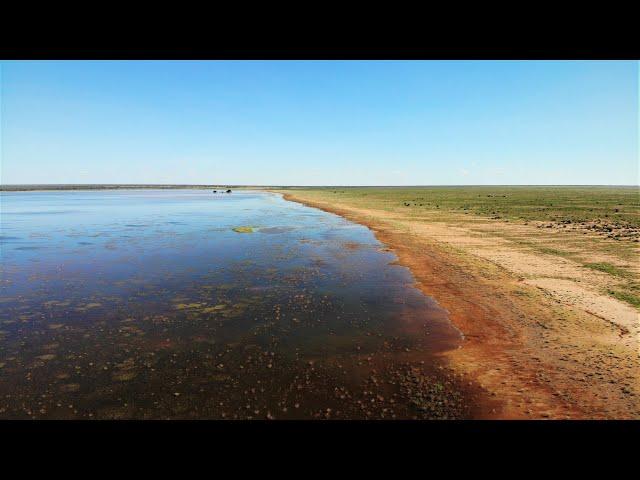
<point x="544" y="283"/>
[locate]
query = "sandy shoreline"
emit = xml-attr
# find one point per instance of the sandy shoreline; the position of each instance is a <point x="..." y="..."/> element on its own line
<point x="537" y="356"/>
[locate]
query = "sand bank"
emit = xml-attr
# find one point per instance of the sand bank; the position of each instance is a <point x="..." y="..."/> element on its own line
<point x="540" y="337"/>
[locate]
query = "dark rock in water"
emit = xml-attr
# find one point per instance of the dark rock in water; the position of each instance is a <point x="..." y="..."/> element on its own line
<point x="229" y="191"/>
<point x="215" y="191"/>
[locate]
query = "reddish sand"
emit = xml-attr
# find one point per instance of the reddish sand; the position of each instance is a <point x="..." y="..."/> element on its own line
<point x="540" y="350"/>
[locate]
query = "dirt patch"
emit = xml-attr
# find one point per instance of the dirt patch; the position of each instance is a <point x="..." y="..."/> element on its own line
<point x="620" y="231"/>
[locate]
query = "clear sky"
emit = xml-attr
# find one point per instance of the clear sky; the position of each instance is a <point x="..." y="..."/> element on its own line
<point x="320" y="122"/>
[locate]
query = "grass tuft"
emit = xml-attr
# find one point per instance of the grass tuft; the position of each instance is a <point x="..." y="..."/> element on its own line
<point x="630" y="298"/>
<point x="607" y="268"/>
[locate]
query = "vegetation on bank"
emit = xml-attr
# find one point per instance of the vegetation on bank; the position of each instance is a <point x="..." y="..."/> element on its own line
<point x="608" y="268"/>
<point x="598" y="227"/>
<point x="628" y="296"/>
<point x="527" y="203"/>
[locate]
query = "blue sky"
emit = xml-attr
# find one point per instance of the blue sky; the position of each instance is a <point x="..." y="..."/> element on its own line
<point x="320" y="122"/>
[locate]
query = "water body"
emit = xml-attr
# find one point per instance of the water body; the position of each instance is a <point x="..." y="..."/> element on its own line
<point x="189" y="304"/>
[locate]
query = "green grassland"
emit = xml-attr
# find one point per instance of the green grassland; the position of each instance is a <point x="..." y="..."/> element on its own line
<point x="561" y="203"/>
<point x="598" y="227"/>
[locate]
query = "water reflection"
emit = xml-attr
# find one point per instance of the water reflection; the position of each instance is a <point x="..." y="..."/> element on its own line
<point x="186" y="304"/>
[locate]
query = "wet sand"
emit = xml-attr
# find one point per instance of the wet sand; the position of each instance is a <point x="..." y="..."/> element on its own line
<point x="535" y="357"/>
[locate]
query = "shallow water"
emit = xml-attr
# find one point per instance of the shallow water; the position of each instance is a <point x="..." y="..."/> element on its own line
<point x="148" y="304"/>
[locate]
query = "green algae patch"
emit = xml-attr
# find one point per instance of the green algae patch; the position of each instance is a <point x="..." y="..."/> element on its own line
<point x="185" y="306"/>
<point x="48" y="356"/>
<point x="198" y="308"/>
<point x="213" y="309"/>
<point x="124" y="376"/>
<point x="88" y="306"/>
<point x="56" y="303"/>
<point x="243" y="229"/>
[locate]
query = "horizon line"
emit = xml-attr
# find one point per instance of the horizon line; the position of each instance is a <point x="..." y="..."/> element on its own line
<point x="13" y="185"/>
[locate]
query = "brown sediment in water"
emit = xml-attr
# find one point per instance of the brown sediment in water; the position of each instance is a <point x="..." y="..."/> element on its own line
<point x="209" y="348"/>
<point x="517" y="343"/>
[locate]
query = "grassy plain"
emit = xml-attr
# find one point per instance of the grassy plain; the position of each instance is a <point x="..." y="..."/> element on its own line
<point x="599" y="226"/>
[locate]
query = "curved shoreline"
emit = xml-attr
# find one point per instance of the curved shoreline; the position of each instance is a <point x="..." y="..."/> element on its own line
<point x="502" y="349"/>
<point x="407" y="259"/>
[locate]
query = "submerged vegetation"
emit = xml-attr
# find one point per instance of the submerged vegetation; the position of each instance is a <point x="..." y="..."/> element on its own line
<point x="245" y="229"/>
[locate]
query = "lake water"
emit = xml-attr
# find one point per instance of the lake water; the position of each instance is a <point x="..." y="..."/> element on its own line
<point x="148" y="304"/>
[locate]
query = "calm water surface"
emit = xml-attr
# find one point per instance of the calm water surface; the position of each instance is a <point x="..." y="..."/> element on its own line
<point x="148" y="304"/>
